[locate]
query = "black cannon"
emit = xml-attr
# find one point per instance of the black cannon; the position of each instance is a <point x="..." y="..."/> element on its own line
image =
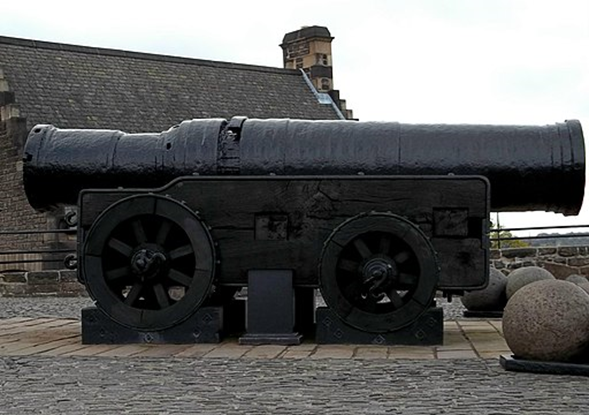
<point x="377" y="215"/>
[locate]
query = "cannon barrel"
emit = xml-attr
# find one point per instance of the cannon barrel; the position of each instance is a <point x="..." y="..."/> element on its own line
<point x="529" y="167"/>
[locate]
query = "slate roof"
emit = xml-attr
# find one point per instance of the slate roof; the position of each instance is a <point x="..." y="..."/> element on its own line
<point x="85" y="87"/>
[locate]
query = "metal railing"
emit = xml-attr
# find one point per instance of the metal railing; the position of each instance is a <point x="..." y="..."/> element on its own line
<point x="499" y="238"/>
<point x="69" y="253"/>
<point x="68" y="257"/>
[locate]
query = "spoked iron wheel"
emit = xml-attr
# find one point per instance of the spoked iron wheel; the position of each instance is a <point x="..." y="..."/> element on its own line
<point x="148" y="262"/>
<point x="378" y="272"/>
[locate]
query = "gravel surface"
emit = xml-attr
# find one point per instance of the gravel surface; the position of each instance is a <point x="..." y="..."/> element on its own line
<point x="70" y="307"/>
<point x="62" y="307"/>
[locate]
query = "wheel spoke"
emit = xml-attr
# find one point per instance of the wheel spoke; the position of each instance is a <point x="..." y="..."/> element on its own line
<point x="121" y="247"/>
<point x="395" y="298"/>
<point x="161" y="295"/>
<point x="117" y="273"/>
<point x="134" y="294"/>
<point x="163" y="232"/>
<point x="370" y="304"/>
<point x="347" y="265"/>
<point x="179" y="277"/>
<point x="181" y="252"/>
<point x="402" y="257"/>
<point x="407" y="279"/>
<point x="362" y="248"/>
<point x="385" y="244"/>
<point x="139" y="231"/>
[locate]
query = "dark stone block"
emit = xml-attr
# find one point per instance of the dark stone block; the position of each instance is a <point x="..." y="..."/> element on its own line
<point x="567" y="251"/>
<point x="204" y="326"/>
<point x="559" y="271"/>
<point x="515" y="265"/>
<point x="68" y="276"/>
<point x="546" y="251"/>
<point x="498" y="264"/>
<point x="511" y="363"/>
<point x="14" y="289"/>
<point x="43" y="277"/>
<point x="578" y="262"/>
<point x="47" y="289"/>
<point x="427" y="330"/>
<point x="495" y="254"/>
<point x="13" y="277"/>
<point x="519" y="252"/>
<point x="72" y="289"/>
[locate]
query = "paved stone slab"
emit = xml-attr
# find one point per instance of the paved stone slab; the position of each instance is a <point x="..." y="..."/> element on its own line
<point x="123" y="351"/>
<point x="196" y="350"/>
<point x="37" y="348"/>
<point x="265" y="352"/>
<point x="63" y="350"/>
<point x="371" y="352"/>
<point x="333" y="351"/>
<point x="92" y="350"/>
<point x="55" y="337"/>
<point x="13" y="320"/>
<point x="291" y="353"/>
<point x="456" y="354"/>
<point x="411" y="352"/>
<point x="229" y="351"/>
<point x="161" y="350"/>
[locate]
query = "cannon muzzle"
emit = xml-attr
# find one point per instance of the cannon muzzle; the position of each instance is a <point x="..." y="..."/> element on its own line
<point x="529" y="167"/>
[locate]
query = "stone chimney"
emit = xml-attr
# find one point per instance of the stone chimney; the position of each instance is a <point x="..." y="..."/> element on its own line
<point x="309" y="49"/>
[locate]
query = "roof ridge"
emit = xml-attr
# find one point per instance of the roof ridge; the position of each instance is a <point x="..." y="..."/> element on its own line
<point x="93" y="50"/>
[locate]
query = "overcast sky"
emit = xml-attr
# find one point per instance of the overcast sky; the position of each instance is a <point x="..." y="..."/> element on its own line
<point x="449" y="61"/>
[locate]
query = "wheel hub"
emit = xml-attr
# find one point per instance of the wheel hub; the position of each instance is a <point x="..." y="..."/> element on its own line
<point x="147" y="263"/>
<point x="378" y="274"/>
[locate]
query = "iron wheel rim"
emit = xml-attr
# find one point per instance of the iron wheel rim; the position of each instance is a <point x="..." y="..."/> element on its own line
<point x="392" y="246"/>
<point x="135" y="231"/>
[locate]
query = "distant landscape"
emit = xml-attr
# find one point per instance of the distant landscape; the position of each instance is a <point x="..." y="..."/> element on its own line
<point x="556" y="239"/>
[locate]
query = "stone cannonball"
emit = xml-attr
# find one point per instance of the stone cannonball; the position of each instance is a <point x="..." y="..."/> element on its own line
<point x="585" y="286"/>
<point x="577" y="279"/>
<point x="548" y="321"/>
<point x="491" y="298"/>
<point x="524" y="276"/>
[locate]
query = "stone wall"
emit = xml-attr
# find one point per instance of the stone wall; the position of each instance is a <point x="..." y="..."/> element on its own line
<point x="62" y="283"/>
<point x="561" y="261"/>
<point x="15" y="212"/>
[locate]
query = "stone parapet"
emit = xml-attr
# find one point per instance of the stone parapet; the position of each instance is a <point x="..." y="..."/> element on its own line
<point x="60" y="283"/>
<point x="561" y="261"/>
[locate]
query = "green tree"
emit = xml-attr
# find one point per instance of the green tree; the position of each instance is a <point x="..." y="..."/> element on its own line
<point x="496" y="231"/>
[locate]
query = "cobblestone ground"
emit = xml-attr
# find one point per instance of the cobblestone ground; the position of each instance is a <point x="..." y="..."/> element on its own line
<point x="135" y="385"/>
<point x="216" y="386"/>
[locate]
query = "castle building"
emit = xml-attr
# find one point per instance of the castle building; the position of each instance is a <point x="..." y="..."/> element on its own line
<point x="73" y="86"/>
